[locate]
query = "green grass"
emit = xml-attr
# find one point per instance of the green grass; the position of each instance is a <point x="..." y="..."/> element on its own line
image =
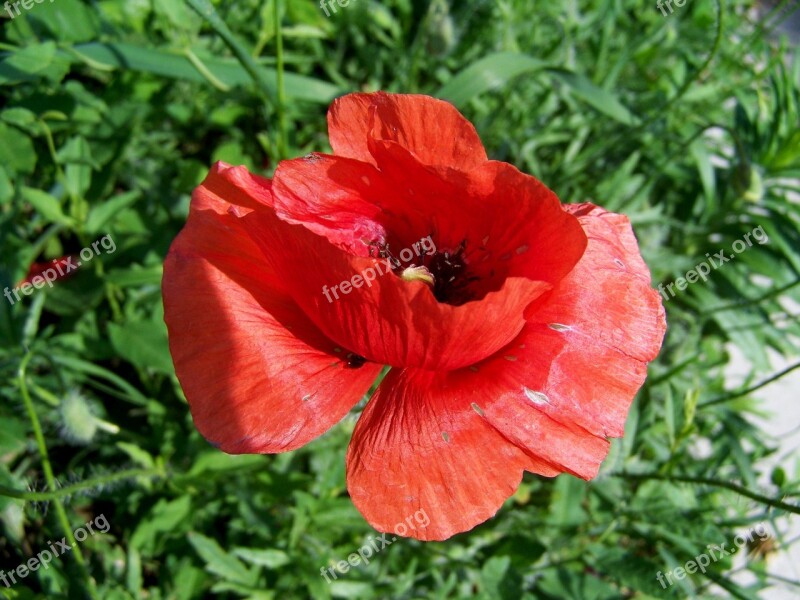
<point x="112" y="112"/>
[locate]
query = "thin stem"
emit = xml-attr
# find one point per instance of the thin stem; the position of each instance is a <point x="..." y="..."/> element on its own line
<point x="205" y="9"/>
<point x="690" y="80"/>
<point x="751" y="301"/>
<point x="204" y="71"/>
<point x="70" y="490"/>
<point x="773" y="502"/>
<point x="280" y="106"/>
<point x="49" y="477"/>
<point x="738" y="394"/>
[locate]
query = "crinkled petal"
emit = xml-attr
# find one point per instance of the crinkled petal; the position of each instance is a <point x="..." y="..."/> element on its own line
<point x="381" y="316"/>
<point x="453" y="447"/>
<point x="356" y="206"/>
<point x="258" y="374"/>
<point x="433" y="130"/>
<point x="587" y="343"/>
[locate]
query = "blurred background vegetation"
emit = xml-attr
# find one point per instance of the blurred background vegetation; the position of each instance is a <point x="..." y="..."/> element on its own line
<point x="113" y="110"/>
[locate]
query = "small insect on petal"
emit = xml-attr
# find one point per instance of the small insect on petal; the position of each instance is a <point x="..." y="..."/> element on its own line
<point x="354" y="361"/>
<point x="537" y="398"/>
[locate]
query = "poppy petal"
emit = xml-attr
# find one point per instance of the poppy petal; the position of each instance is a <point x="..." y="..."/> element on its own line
<point x="584" y="352"/>
<point x="333" y="197"/>
<point x="258" y="375"/>
<point x="387" y="319"/>
<point x="454" y="446"/>
<point x="530" y="235"/>
<point x="355" y="206"/>
<point x="433" y="130"/>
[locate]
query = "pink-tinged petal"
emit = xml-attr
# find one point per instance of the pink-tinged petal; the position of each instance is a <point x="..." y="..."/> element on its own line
<point x="433" y="130"/>
<point x="454" y="446"/>
<point x="333" y="197"/>
<point x="258" y="375"/>
<point x="585" y="349"/>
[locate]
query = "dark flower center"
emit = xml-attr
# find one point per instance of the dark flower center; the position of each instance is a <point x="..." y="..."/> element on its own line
<point x="447" y="272"/>
<point x="451" y="276"/>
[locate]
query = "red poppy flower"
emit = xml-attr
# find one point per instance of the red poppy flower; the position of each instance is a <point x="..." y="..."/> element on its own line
<point x="517" y="339"/>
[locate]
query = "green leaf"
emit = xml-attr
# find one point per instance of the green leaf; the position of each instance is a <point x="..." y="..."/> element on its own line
<point x="101" y="214"/>
<point x="164" y="518"/>
<point x="606" y="102"/>
<point x="220" y="562"/>
<point x="24" y="64"/>
<point x="16" y="151"/>
<point x="46" y="205"/>
<point x="706" y="172"/>
<point x="488" y="73"/>
<point x="351" y="589"/>
<point x="142" y="343"/>
<point x="68" y="20"/>
<point x="82" y="366"/>
<point x="173" y="64"/>
<point x="12" y="436"/>
<point x="6" y="187"/>
<point x="232" y="153"/>
<point x="22" y="118"/>
<point x="138" y="455"/>
<point x="499" y="580"/>
<point x="272" y="559"/>
<point x="76" y="151"/>
<point x="133" y="578"/>
<point x="136" y="276"/>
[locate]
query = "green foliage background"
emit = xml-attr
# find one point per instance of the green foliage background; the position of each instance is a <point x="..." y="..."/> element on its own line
<point x="113" y="110"/>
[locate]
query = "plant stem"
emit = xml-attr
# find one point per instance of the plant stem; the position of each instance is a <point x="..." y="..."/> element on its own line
<point x="280" y="105"/>
<point x="206" y="10"/>
<point x="57" y="494"/>
<point x="773" y="502"/>
<point x="739" y="393"/>
<point x="50" y="478"/>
